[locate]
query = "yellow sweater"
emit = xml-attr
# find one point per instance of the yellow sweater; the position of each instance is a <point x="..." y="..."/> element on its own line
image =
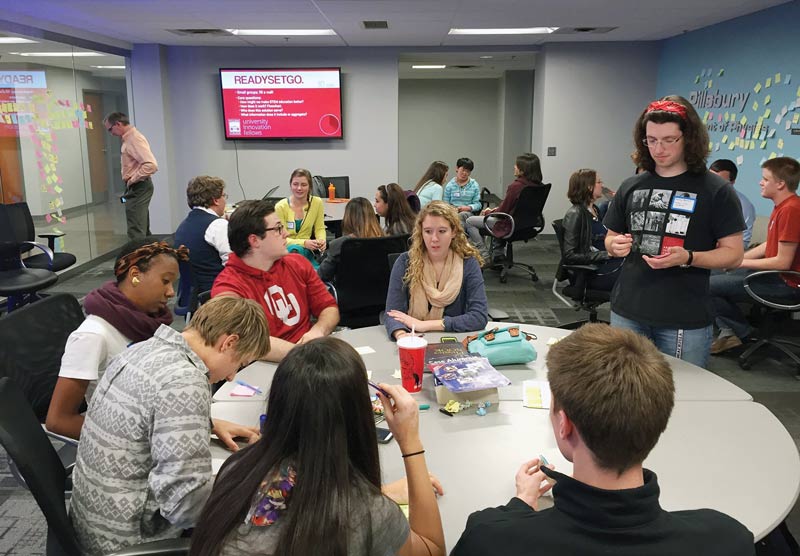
<point x="313" y="221"/>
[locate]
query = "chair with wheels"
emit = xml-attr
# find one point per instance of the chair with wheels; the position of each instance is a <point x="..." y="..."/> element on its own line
<point x="362" y="278"/>
<point x="22" y="230"/>
<point x="18" y="284"/>
<point x="28" y="447"/>
<point x="578" y="295"/>
<point x="772" y="310"/>
<point x="528" y="223"/>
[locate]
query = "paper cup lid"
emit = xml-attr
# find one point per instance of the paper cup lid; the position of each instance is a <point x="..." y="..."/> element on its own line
<point x="412" y="342"/>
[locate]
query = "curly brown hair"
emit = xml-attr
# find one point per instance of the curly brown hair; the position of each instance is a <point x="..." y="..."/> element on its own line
<point x="141" y="252"/>
<point x="695" y="136"/>
<point x="202" y="191"/>
<point x="460" y="246"/>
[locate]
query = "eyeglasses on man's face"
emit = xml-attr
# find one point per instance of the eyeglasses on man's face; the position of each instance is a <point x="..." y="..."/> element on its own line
<point x="652" y="142"/>
<point x="277" y="227"/>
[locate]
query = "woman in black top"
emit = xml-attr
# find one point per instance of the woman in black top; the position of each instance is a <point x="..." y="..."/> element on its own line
<point x="584" y="232"/>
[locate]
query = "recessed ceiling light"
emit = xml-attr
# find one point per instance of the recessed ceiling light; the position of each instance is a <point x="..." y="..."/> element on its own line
<point x="14" y="40"/>
<point x="56" y="54"/>
<point x="282" y="32"/>
<point x="486" y="57"/>
<point x="518" y="31"/>
<point x="110" y="67"/>
<point x="429" y="67"/>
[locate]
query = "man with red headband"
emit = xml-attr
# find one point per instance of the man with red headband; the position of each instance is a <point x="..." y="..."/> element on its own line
<point x="673" y="222"/>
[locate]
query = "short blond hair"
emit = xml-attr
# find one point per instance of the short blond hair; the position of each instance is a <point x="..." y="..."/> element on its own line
<point x="617" y="389"/>
<point x="233" y="315"/>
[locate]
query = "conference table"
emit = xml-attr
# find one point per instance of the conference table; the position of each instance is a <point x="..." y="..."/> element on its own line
<point x="721" y="450"/>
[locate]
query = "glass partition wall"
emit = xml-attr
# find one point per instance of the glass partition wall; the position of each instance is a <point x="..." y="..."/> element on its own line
<point x="55" y="154"/>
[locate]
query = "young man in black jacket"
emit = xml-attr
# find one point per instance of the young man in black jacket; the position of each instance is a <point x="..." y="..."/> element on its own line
<point x="613" y="394"/>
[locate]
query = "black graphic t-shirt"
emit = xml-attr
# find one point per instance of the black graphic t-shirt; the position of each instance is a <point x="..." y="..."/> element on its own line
<point x="692" y="211"/>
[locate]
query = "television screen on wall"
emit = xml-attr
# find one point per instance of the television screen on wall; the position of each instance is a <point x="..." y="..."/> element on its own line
<point x="304" y="103"/>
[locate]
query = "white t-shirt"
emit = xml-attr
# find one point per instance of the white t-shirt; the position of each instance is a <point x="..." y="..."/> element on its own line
<point x="89" y="350"/>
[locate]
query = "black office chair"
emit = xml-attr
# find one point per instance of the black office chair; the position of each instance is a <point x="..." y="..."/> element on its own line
<point x="186" y="300"/>
<point x="772" y="310"/>
<point x="341" y="183"/>
<point x="528" y="223"/>
<point x="581" y="297"/>
<point x="18" y="215"/>
<point x="18" y="284"/>
<point x="362" y="278"/>
<point x="202" y="297"/>
<point x="28" y="447"/>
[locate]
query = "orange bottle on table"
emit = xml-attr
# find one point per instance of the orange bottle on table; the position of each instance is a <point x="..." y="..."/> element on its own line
<point x="331" y="192"/>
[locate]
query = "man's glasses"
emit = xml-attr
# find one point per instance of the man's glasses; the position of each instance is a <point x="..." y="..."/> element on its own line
<point x="277" y="227"/>
<point x="109" y="128"/>
<point x="666" y="141"/>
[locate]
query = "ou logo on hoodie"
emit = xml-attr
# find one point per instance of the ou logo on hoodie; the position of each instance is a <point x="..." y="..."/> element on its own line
<point x="285" y="308"/>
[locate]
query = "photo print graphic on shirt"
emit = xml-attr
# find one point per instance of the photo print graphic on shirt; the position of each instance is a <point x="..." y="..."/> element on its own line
<point x="670" y="242"/>
<point x="639" y="200"/>
<point x="677" y="224"/>
<point x="654" y="221"/>
<point x="684" y="201"/>
<point x="637" y="221"/>
<point x="651" y="244"/>
<point x="659" y="199"/>
<point x="636" y="245"/>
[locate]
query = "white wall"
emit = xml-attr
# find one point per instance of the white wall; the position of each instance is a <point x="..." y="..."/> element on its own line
<point x="516" y="113"/>
<point x="194" y="141"/>
<point x="445" y="119"/>
<point x="587" y="97"/>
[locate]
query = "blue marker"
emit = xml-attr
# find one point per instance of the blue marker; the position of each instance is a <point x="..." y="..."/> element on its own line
<point x="262" y="421"/>
<point x="379" y="389"/>
<point x="255" y="389"/>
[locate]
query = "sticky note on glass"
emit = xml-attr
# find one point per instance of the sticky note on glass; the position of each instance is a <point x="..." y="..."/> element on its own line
<point x="763" y="144"/>
<point x="768" y="83"/>
<point x="743" y="121"/>
<point x="788" y="78"/>
<point x="364" y="350"/>
<point x="772" y="155"/>
<point x="241" y="391"/>
<point x="710" y="83"/>
<point x="777" y="78"/>
<point x="757" y="88"/>
<point x="536" y="394"/>
<point x="731" y="146"/>
<point x="771" y="133"/>
<point x="697" y="79"/>
<point x="740" y="160"/>
<point x="767" y="113"/>
<point x="796" y="118"/>
<point x="724" y="138"/>
<point x="780" y="144"/>
<point x="721" y="72"/>
<point x="755" y="105"/>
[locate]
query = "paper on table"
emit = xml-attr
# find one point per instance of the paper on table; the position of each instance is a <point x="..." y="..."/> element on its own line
<point x="216" y="463"/>
<point x="241" y="391"/>
<point x="364" y="350"/>
<point x="536" y="394"/>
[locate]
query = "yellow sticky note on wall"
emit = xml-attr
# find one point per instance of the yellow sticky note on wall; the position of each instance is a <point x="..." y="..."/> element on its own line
<point x="777" y="78"/>
<point x="768" y="83"/>
<point x="724" y="138"/>
<point x="780" y="144"/>
<point x="757" y="88"/>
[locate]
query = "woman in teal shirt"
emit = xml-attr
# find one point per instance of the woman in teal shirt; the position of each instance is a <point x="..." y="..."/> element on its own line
<point x="429" y="187"/>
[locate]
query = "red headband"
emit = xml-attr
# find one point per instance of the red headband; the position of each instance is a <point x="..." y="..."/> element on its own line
<point x="667" y="106"/>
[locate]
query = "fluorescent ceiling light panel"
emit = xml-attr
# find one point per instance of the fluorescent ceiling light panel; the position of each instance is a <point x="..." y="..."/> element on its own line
<point x="56" y="54"/>
<point x="518" y="31"/>
<point x="282" y="32"/>
<point x="429" y="67"/>
<point x="15" y="40"/>
<point x="110" y="67"/>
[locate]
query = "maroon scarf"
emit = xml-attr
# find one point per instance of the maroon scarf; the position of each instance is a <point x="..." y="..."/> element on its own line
<point x="111" y="305"/>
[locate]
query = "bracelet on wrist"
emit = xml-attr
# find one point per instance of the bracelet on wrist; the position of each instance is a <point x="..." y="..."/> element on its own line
<point x="413" y="454"/>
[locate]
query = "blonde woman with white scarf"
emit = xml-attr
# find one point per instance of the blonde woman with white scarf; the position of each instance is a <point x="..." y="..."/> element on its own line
<point x="437" y="285"/>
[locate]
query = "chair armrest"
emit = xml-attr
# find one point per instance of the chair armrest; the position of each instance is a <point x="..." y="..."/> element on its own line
<point x="332" y="290"/>
<point x="51" y="238"/>
<point x="748" y="288"/>
<point x="60" y="437"/>
<point x="168" y="547"/>
<point x="500" y="217"/>
<point x="47" y="251"/>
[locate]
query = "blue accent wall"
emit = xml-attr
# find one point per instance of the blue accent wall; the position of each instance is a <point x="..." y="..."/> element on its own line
<point x="748" y="51"/>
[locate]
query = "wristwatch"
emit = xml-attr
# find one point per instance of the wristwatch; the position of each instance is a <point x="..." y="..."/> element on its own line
<point x="688" y="262"/>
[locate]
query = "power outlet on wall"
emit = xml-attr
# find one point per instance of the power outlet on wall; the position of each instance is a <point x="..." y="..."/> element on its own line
<point x="551" y="151"/>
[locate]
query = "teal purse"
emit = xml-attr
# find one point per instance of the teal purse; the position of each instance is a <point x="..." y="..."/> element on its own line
<point x="503" y="346"/>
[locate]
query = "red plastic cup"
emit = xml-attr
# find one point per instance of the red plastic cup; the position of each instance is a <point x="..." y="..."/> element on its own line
<point x="412" y="361"/>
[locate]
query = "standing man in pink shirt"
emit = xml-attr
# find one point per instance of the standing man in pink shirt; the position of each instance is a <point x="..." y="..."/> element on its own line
<point x="138" y="165"/>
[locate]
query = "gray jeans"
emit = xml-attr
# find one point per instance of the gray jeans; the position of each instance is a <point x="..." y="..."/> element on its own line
<point x="137" y="205"/>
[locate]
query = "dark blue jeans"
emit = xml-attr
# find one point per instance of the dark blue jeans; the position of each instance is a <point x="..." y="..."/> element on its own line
<point x="727" y="290"/>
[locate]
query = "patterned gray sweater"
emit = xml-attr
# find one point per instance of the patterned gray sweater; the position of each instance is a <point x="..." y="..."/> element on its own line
<point x="143" y="470"/>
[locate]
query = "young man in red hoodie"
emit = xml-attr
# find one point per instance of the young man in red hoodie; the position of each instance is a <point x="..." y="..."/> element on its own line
<point x="287" y="286"/>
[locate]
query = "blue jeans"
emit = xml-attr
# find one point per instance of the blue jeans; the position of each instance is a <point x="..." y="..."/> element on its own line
<point x="727" y="290"/>
<point x="691" y="345"/>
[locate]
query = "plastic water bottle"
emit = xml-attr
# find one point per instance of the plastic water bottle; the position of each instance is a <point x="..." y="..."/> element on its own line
<point x="331" y="192"/>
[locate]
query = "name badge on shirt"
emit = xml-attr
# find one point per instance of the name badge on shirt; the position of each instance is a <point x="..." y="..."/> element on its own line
<point x="683" y="204"/>
<point x="456" y="194"/>
<point x="290" y="225"/>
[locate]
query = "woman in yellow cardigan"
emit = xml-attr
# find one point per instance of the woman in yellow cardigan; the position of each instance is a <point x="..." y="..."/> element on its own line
<point x="303" y="217"/>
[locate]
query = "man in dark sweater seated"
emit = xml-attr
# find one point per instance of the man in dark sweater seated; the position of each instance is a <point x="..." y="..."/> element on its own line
<point x="612" y="397"/>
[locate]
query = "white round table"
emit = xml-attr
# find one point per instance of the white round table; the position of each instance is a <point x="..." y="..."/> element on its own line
<point x="720" y="450"/>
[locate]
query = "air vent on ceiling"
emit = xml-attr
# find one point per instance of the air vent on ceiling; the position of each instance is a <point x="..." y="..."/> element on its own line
<point x="375" y="24"/>
<point x="583" y="30"/>
<point x="205" y="32"/>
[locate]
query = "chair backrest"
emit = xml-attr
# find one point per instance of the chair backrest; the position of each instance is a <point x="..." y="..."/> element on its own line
<point x="37" y="461"/>
<point x="362" y="275"/>
<point x="183" y="300"/>
<point x="558" y="228"/>
<point x="32" y="341"/>
<point x="528" y="212"/>
<point x="18" y="225"/>
<point x="341" y="183"/>
<point x="413" y="201"/>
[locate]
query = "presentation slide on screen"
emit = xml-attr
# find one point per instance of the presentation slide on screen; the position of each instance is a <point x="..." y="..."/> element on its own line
<point x="274" y="104"/>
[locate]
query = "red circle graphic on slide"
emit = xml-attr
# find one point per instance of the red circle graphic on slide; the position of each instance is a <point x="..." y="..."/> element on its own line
<point x="329" y="124"/>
